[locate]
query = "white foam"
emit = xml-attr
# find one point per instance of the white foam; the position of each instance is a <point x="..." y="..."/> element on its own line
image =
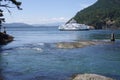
<point x="23" y="48"/>
<point x="38" y="49"/>
<point x="5" y="54"/>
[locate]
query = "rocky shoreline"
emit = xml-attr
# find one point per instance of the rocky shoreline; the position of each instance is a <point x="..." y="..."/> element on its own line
<point x="5" y="38"/>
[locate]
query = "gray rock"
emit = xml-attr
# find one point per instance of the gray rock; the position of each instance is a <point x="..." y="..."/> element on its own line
<point x="78" y="44"/>
<point x="5" y="38"/>
<point x="91" y="77"/>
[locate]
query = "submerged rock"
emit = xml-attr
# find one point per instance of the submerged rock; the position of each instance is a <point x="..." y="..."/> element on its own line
<point x="78" y="44"/>
<point x="91" y="77"/>
<point x="5" y="38"/>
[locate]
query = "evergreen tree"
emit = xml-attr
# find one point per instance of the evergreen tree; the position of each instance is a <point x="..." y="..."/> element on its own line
<point x="104" y="13"/>
<point x="6" y="4"/>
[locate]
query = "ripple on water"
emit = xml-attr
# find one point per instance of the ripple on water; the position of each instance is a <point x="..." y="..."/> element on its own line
<point x="5" y="54"/>
<point x="38" y="49"/>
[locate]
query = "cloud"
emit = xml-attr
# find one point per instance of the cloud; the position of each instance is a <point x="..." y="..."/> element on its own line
<point x="60" y="19"/>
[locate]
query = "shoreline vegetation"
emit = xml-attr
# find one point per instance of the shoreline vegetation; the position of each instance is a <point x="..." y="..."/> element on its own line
<point x="4" y="37"/>
<point x="104" y="14"/>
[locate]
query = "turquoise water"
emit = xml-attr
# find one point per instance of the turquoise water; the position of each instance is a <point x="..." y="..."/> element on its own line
<point x="33" y="54"/>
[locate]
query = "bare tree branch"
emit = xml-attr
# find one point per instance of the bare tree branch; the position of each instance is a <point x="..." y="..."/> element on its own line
<point x="8" y="10"/>
<point x="6" y="5"/>
<point x="17" y="3"/>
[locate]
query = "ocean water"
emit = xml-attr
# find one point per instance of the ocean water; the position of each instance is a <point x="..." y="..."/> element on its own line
<point x="33" y="54"/>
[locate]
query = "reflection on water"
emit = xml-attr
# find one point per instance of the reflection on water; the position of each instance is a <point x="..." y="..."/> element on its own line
<point x="34" y="56"/>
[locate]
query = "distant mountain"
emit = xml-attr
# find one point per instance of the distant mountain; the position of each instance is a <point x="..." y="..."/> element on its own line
<point x="16" y="25"/>
<point x="102" y="14"/>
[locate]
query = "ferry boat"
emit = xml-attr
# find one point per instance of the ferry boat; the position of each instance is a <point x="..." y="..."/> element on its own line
<point x="72" y="25"/>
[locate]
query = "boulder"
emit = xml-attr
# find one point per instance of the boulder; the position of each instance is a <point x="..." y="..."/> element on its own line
<point x="5" y="38"/>
<point x="91" y="77"/>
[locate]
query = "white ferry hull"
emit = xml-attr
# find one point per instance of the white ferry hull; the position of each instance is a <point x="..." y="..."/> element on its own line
<point x="73" y="29"/>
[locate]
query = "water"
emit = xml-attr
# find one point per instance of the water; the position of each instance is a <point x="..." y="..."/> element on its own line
<point x="33" y="54"/>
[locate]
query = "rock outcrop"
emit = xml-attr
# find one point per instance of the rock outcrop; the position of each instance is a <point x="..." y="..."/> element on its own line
<point x="91" y="77"/>
<point x="5" y="38"/>
<point x="79" y="44"/>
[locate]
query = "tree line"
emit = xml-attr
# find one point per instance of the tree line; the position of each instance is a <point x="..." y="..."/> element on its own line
<point x="104" y="13"/>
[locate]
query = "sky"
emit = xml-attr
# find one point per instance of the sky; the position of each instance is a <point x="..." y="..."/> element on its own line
<point x="46" y="11"/>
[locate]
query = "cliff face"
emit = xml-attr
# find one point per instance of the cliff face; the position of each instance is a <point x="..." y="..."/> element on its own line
<point x="102" y="14"/>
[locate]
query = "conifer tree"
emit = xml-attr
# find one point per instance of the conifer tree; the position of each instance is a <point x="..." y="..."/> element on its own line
<point x="6" y="4"/>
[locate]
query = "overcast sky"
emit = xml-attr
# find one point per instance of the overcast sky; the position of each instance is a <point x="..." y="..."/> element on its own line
<point x="47" y="11"/>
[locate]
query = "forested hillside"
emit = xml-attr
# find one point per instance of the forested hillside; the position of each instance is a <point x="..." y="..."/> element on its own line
<point x="103" y="14"/>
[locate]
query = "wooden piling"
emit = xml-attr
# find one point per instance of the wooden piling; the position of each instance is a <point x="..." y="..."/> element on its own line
<point x="112" y="37"/>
